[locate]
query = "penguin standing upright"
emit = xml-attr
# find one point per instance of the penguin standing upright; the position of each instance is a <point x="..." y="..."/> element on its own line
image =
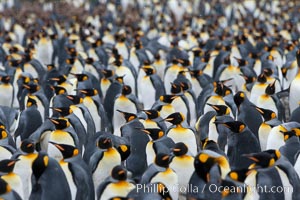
<point x="103" y="160"/>
<point x="294" y="90"/>
<point x="45" y="49"/>
<point x="150" y="88"/>
<point x="118" y="186"/>
<point x="240" y="136"/>
<point x="6" y="91"/>
<point x="79" y="180"/>
<point x="180" y="133"/>
<point x="106" y="81"/>
<point x="13" y="179"/>
<point x="125" y="102"/>
<point x="161" y="172"/>
<point x="182" y="164"/>
<point x="46" y="174"/>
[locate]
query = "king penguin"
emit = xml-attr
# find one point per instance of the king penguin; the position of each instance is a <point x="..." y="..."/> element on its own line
<point x="6" y="91"/>
<point x="181" y="133"/>
<point x="294" y="90"/>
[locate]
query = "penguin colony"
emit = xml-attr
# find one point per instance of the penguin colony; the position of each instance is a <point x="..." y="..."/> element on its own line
<point x="149" y="99"/>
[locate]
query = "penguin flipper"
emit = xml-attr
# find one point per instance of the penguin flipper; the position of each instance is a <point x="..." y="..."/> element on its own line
<point x="95" y="158"/>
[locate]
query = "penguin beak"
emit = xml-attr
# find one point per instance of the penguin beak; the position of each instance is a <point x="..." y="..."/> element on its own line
<point x="12" y="162"/>
<point x="251" y="157"/>
<point x="168" y="119"/>
<point x="213" y="106"/>
<point x="54" y="79"/>
<point x="259" y="110"/>
<point x="26" y="86"/>
<point x="53" y="121"/>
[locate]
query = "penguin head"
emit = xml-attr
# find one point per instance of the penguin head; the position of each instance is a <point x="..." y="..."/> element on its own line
<point x="63" y="111"/>
<point x="126" y="90"/>
<point x="32" y="87"/>
<point x="162" y="160"/>
<point x="220" y="109"/>
<point x="268" y="72"/>
<point x="241" y="62"/>
<point x="60" y="123"/>
<point x="58" y="90"/>
<point x="270" y="89"/>
<point x="238" y="175"/>
<point x="75" y="99"/>
<point x="234" y="126"/>
<point x="89" y="61"/>
<point x="7" y="165"/>
<point x="197" y="52"/>
<point x="124" y="151"/>
<point x="60" y="79"/>
<point x="104" y="143"/>
<point x="117" y="62"/>
<point x="5" y="79"/>
<point x="40" y="164"/>
<point x="154" y="133"/>
<point x="119" y="173"/>
<point x="184" y="86"/>
<point x="152" y="114"/>
<point x="239" y="98"/>
<point x="180" y="149"/>
<point x="262" y="78"/>
<point x="204" y="162"/>
<point x="175" y="88"/>
<point x="248" y="79"/>
<point x="168" y="98"/>
<point x="81" y="77"/>
<point x="196" y="73"/>
<point x="263" y="159"/>
<point x="3" y="134"/>
<point x="288" y="134"/>
<point x="148" y="70"/>
<point x="89" y="92"/>
<point x="4" y="187"/>
<point x="68" y="151"/>
<point x="31" y="102"/>
<point x="120" y="79"/>
<point x="107" y="73"/>
<point x="175" y="118"/>
<point x="266" y="113"/>
<point x="27" y="146"/>
<point x="128" y="116"/>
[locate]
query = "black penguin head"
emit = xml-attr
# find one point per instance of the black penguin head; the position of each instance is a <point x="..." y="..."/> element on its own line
<point x="27" y="146"/>
<point x="117" y="62"/>
<point x="63" y="111"/>
<point x="4" y="187"/>
<point x="40" y="164"/>
<point x="60" y="79"/>
<point x="175" y="88"/>
<point x="3" y="133"/>
<point x="241" y="62"/>
<point x="30" y="102"/>
<point x="266" y="113"/>
<point x="152" y="114"/>
<point x="126" y="90"/>
<point x="154" y="133"/>
<point x="204" y="162"/>
<point x="124" y="151"/>
<point x="89" y="92"/>
<point x="119" y="173"/>
<point x="120" y="79"/>
<point x="263" y="159"/>
<point x="81" y="77"/>
<point x="270" y="89"/>
<point x="7" y="165"/>
<point x="262" y="78"/>
<point x="162" y="160"/>
<point x="239" y="98"/>
<point x="238" y="175"/>
<point x="149" y="70"/>
<point x="219" y="89"/>
<point x="180" y="149"/>
<point x="128" y="116"/>
<point x="32" y="87"/>
<point x="5" y="79"/>
<point x="220" y="109"/>
<point x="288" y="134"/>
<point x="268" y="72"/>
<point x="59" y="90"/>
<point x="89" y="61"/>
<point x="168" y="98"/>
<point x="60" y="123"/>
<point x="104" y="143"/>
<point x="248" y="79"/>
<point x="234" y="126"/>
<point x="175" y="118"/>
<point x="75" y="99"/>
<point x="185" y="86"/>
<point x="107" y="73"/>
<point x="67" y="151"/>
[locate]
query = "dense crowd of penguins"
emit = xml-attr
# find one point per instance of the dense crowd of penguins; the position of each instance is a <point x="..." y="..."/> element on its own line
<point x="149" y="99"/>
